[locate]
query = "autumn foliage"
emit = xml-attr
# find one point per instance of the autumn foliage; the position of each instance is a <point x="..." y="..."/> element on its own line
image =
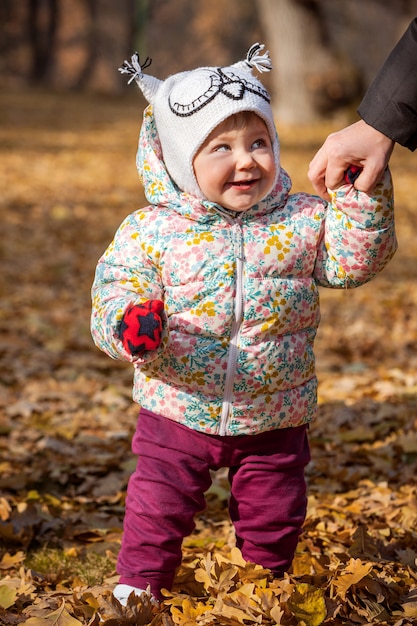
<point x="68" y="179"/>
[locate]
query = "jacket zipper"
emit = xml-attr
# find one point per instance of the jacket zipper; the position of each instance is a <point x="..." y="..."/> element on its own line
<point x="235" y="332"/>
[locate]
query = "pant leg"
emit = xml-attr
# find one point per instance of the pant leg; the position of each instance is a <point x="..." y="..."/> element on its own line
<point x="165" y="492"/>
<point x="268" y="496"/>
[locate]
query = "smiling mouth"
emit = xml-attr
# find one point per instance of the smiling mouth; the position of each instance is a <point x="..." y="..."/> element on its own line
<point x="244" y="184"/>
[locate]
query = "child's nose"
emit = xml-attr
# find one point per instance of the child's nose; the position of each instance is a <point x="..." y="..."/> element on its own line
<point x="244" y="160"/>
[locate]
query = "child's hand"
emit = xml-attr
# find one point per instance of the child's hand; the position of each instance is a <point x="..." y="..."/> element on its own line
<point x="141" y="327"/>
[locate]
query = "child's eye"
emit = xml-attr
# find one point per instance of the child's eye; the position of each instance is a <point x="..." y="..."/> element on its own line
<point x="221" y="148"/>
<point x="259" y="143"/>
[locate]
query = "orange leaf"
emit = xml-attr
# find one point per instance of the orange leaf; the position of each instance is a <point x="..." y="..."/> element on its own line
<point x="355" y="571"/>
<point x="9" y="562"/>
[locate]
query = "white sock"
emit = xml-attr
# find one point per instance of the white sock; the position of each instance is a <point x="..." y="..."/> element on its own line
<point x="122" y="592"/>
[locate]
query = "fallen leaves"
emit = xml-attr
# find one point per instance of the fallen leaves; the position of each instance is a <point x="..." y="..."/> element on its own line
<point x="234" y="592"/>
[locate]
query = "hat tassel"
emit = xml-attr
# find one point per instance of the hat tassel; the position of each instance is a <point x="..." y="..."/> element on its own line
<point x="134" y="67"/>
<point x="261" y="62"/>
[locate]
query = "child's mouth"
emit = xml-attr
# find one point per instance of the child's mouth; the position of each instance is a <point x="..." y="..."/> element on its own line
<point x="243" y="184"/>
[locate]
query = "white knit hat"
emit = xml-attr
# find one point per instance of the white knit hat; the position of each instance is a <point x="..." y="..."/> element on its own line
<point x="187" y="106"/>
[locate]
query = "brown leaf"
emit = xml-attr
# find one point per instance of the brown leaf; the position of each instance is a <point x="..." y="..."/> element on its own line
<point x="363" y="545"/>
<point x="60" y="617"/>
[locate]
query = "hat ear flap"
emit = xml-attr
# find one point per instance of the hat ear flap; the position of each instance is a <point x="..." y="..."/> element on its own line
<point x="149" y="85"/>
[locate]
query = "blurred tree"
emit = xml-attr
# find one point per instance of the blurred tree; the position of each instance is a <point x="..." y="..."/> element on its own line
<point x="324" y="52"/>
<point x="91" y="45"/>
<point x="139" y="17"/>
<point x="43" y="16"/>
<point x="71" y="45"/>
<point x="187" y="33"/>
<point x="113" y="32"/>
<point x="295" y="35"/>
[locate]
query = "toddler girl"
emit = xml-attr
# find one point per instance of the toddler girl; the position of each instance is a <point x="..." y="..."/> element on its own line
<point x="211" y="292"/>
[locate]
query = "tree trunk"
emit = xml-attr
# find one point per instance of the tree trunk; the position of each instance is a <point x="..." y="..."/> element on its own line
<point x="92" y="46"/>
<point x="42" y="26"/>
<point x="294" y="38"/>
<point x="111" y="28"/>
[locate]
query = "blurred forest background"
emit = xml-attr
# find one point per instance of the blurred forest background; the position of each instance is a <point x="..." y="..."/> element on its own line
<point x="325" y="52"/>
<point x="68" y="134"/>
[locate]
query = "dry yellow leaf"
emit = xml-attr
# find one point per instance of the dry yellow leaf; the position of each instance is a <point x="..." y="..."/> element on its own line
<point x="236" y="557"/>
<point x="189" y="612"/>
<point x="7" y="596"/>
<point x="9" y="561"/>
<point x="226" y="579"/>
<point x="277" y="614"/>
<point x="308" y="604"/>
<point x="267" y="598"/>
<point x="225" y="608"/>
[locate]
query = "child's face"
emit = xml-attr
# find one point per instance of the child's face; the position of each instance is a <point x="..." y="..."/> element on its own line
<point x="235" y="167"/>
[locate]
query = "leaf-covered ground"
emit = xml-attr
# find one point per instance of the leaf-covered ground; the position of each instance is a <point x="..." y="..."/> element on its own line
<point x="68" y="178"/>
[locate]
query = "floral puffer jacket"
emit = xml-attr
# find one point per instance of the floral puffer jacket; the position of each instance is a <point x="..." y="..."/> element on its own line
<point x="240" y="292"/>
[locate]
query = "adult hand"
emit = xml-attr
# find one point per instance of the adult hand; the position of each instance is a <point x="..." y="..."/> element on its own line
<point x="358" y="144"/>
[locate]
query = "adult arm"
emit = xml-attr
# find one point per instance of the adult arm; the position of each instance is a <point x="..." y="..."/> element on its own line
<point x="389" y="114"/>
<point x="390" y="103"/>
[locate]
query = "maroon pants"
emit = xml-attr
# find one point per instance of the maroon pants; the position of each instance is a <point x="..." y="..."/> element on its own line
<point x="267" y="503"/>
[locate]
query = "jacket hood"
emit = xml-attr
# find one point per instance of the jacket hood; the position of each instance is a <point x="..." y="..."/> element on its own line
<point x="161" y="190"/>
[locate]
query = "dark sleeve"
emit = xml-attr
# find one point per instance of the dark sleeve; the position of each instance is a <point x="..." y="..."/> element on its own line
<point x="390" y="104"/>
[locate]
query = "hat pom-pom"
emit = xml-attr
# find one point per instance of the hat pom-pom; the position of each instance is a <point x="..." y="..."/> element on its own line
<point x="261" y="62"/>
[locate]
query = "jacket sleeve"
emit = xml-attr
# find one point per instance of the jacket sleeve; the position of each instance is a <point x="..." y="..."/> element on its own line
<point x="358" y="237"/>
<point x="124" y="276"/>
<point x="390" y="103"/>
